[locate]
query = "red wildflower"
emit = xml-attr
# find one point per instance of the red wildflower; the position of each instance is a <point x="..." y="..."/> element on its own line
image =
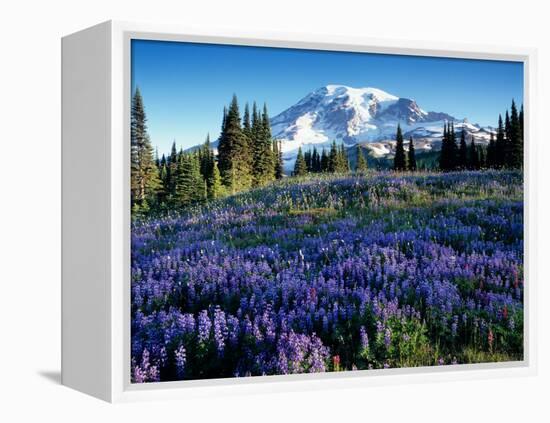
<point x="336" y="362"/>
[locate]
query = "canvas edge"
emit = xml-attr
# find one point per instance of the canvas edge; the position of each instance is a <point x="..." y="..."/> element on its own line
<point x="121" y="389"/>
<point x="85" y="140"/>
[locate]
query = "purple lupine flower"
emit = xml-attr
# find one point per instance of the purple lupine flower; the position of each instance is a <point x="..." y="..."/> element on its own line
<point x="204" y="326"/>
<point x="181" y="358"/>
<point x="364" y="338"/>
<point x="387" y="337"/>
<point x="454" y="326"/>
<point x="220" y="329"/>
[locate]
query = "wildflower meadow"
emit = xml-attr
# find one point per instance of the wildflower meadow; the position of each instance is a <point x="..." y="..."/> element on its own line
<point x="327" y="273"/>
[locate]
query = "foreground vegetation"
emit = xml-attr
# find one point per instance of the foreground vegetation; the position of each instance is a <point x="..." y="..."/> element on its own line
<point x="331" y="273"/>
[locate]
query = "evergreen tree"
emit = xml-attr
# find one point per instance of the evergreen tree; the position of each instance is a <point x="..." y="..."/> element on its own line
<point x="361" y="166"/>
<point x="507" y="141"/>
<point x="399" y="161"/>
<point x="190" y="186"/>
<point x="316" y="160"/>
<point x="507" y="126"/>
<point x="453" y="150"/>
<point x="343" y="162"/>
<point x="162" y="194"/>
<point x="309" y="160"/>
<point x="247" y="128"/>
<point x="278" y="153"/>
<point x="333" y="158"/>
<point x="206" y="158"/>
<point x="145" y="180"/>
<point x="462" y="151"/>
<point x="490" y="159"/>
<point x="448" y="157"/>
<point x="325" y="161"/>
<point x="264" y="159"/>
<point x="411" y="156"/>
<point x="268" y="156"/>
<point x="500" y="145"/>
<point x="473" y="156"/>
<point x="521" y="123"/>
<point x="214" y="187"/>
<point x="171" y="177"/>
<point x="199" y="189"/>
<point x="444" y="153"/>
<point x="185" y="181"/>
<point x="224" y="148"/>
<point x="515" y="156"/>
<point x="256" y="148"/>
<point x="482" y="161"/>
<point x="234" y="158"/>
<point x="300" y="167"/>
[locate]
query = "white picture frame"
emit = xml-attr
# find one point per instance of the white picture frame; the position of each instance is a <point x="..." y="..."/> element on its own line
<point x="96" y="226"/>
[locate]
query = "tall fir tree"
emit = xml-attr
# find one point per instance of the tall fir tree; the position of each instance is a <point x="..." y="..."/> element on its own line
<point x="500" y="145"/>
<point x="453" y="148"/>
<point x="263" y="154"/>
<point x="333" y="158"/>
<point x="300" y="166"/>
<point x="521" y="123"/>
<point x="224" y="148"/>
<point x="411" y="155"/>
<point x="490" y="159"/>
<point x="343" y="161"/>
<point x="399" y="161"/>
<point x="247" y="126"/>
<point x="325" y="161"/>
<point x="482" y="161"/>
<point x="515" y="155"/>
<point x="268" y="156"/>
<point x="214" y="187"/>
<point x="316" y="160"/>
<point x="145" y="180"/>
<point x="462" y="162"/>
<point x="473" y="156"/>
<point x="256" y="147"/>
<point x="162" y="194"/>
<point x="278" y="153"/>
<point x="507" y="140"/>
<point x="172" y="173"/>
<point x="190" y="186"/>
<point x="443" y="154"/>
<point x="206" y="159"/>
<point x="308" y="157"/>
<point x="361" y="166"/>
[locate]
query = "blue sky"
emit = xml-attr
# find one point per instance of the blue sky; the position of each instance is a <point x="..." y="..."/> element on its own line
<point x="186" y="85"/>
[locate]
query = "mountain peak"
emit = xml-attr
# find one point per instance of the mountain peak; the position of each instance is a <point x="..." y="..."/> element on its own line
<point x="338" y="89"/>
<point x="349" y="115"/>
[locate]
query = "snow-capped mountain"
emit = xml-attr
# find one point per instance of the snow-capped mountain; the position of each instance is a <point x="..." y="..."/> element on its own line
<point x="361" y="115"/>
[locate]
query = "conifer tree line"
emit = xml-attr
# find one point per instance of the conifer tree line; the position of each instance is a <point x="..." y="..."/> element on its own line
<point x="335" y="160"/>
<point x="461" y="156"/>
<point x="504" y="152"/>
<point x="247" y="157"/>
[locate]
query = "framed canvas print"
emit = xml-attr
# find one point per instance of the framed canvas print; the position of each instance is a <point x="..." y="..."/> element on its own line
<point x="242" y="211"/>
